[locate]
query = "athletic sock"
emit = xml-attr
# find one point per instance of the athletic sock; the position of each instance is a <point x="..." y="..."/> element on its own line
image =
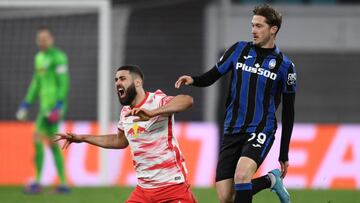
<point x="260" y="183"/>
<point x="39" y="160"/>
<point x="272" y="179"/>
<point x="59" y="163"/>
<point x="243" y="193"/>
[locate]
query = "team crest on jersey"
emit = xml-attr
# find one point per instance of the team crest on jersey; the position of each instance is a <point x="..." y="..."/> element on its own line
<point x="272" y="63"/>
<point x="291" y="79"/>
<point x="136" y="130"/>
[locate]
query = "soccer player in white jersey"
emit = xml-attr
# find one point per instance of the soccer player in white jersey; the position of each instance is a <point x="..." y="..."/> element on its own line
<point x="147" y="125"/>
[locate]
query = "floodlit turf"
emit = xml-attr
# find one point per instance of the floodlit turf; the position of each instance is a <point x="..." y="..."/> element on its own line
<point x="13" y="194"/>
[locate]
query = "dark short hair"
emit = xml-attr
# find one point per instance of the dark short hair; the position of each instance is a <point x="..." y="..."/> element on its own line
<point x="44" y="28"/>
<point x="273" y="17"/>
<point x="133" y="69"/>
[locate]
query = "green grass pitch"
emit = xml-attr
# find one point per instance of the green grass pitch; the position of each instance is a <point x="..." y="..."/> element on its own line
<point x="13" y="194"/>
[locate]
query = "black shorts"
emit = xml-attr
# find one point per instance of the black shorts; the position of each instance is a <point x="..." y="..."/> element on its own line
<point x="234" y="146"/>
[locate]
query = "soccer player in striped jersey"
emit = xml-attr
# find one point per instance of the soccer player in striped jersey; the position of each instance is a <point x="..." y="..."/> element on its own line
<point x="147" y="126"/>
<point x="261" y="77"/>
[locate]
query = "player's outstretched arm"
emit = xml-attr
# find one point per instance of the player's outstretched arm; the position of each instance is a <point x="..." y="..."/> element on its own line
<point x="206" y="79"/>
<point x="110" y="141"/>
<point x="177" y="104"/>
<point x="211" y="76"/>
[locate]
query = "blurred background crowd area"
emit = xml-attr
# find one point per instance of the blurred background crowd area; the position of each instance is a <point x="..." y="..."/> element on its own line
<point x="171" y="38"/>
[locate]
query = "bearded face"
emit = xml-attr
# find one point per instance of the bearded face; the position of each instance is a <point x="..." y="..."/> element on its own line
<point x="126" y="95"/>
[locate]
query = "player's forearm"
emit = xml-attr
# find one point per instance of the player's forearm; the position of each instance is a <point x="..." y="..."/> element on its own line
<point x="33" y="90"/>
<point x="111" y="141"/>
<point x="177" y="104"/>
<point x="207" y="78"/>
<point x="287" y="125"/>
<point x="63" y="86"/>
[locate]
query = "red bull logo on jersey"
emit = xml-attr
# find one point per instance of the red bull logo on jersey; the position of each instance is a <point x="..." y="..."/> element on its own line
<point x="257" y="69"/>
<point x="136" y="130"/>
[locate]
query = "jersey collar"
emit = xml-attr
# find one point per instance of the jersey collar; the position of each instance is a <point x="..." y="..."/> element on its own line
<point x="274" y="51"/>
<point x="143" y="101"/>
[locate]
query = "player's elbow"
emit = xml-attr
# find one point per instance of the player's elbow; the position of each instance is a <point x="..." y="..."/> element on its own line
<point x="189" y="100"/>
<point x="121" y="145"/>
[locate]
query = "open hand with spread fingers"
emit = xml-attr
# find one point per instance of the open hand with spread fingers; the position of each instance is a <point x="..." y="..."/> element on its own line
<point x="69" y="138"/>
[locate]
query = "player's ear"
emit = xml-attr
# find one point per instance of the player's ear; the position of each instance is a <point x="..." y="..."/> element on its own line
<point x="273" y="30"/>
<point x="138" y="82"/>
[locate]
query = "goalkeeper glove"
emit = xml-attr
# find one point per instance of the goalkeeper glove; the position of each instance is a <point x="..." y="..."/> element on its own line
<point x="54" y="115"/>
<point x="21" y="114"/>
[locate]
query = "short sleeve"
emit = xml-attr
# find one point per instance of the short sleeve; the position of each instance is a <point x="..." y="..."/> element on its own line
<point x="165" y="100"/>
<point x="289" y="80"/>
<point x="161" y="98"/>
<point x="120" y="125"/>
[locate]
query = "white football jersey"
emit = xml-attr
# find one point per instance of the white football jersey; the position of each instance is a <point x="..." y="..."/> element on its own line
<point x="155" y="151"/>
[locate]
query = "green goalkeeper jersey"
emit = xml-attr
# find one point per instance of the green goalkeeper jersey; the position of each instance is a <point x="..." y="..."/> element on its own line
<point x="50" y="81"/>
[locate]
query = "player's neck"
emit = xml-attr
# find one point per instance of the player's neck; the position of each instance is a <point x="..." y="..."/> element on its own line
<point x="46" y="49"/>
<point x="140" y="97"/>
<point x="269" y="45"/>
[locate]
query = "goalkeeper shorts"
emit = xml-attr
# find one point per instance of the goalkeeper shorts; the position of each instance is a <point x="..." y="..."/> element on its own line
<point x="44" y="127"/>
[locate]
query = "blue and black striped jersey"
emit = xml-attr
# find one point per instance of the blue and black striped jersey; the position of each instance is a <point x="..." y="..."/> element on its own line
<point x="258" y="78"/>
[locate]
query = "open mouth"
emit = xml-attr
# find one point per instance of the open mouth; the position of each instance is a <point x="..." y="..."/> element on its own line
<point x="121" y="92"/>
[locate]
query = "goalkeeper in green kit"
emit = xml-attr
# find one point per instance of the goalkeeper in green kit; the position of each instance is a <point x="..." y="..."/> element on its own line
<point x="50" y="83"/>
